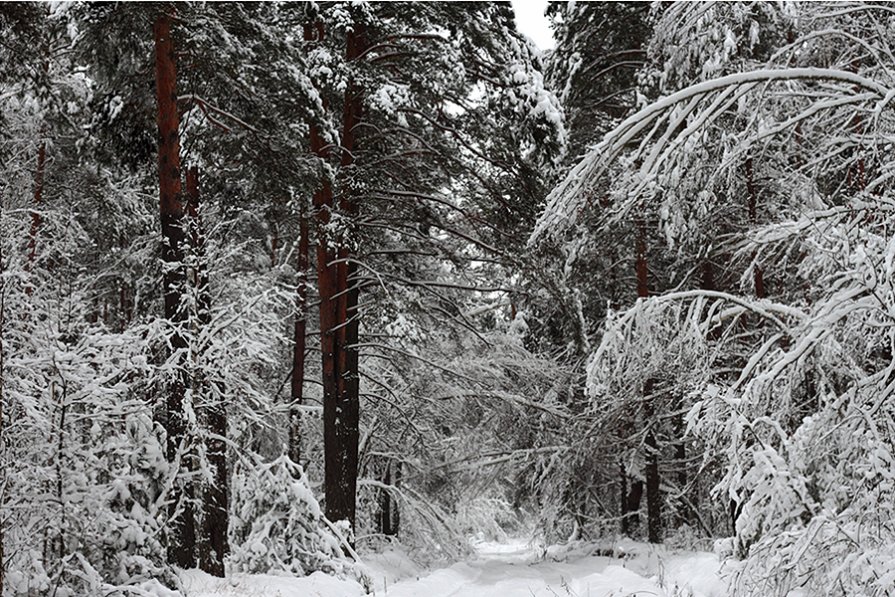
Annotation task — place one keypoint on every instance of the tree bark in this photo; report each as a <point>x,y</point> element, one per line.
<point>757,274</point>
<point>299,339</point>
<point>337,506</point>
<point>631,497</point>
<point>653,494</point>
<point>396,509</point>
<point>213,544</point>
<point>181,529</point>
<point>338,303</point>
<point>300,327</point>
<point>385,504</point>
<point>36,219</point>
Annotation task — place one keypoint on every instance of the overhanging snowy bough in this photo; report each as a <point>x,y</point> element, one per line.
<point>791,389</point>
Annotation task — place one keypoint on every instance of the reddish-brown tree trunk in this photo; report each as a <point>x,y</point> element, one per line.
<point>213,545</point>
<point>653,493</point>
<point>299,332</point>
<point>336,459</point>
<point>299,338</point>
<point>349,379</point>
<point>36,219</point>
<point>341,408</point>
<point>181,529</point>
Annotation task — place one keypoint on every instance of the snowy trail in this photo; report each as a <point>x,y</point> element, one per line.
<point>510,570</point>
<point>497,570</point>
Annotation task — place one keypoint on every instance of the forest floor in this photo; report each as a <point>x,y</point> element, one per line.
<point>508,569</point>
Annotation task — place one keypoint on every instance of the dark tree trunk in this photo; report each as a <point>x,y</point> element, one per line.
<point>653,495</point>
<point>181,529</point>
<point>396,509</point>
<point>36,219</point>
<point>680,454</point>
<point>299,338</point>
<point>757,274</point>
<point>300,327</point>
<point>341,404</point>
<point>335,457</point>
<point>388,517</point>
<point>213,544</point>
<point>631,496</point>
<point>274,241</point>
<point>385,504</point>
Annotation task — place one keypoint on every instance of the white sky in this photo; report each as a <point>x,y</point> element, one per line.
<point>531,21</point>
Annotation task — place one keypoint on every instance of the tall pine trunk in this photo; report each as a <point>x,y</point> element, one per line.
<point>334,452</point>
<point>349,322</point>
<point>631,499</point>
<point>212,544</point>
<point>653,496</point>
<point>39,172</point>
<point>300,327</point>
<point>36,219</point>
<point>384,516</point>
<point>653,493</point>
<point>181,524</point>
<point>338,326</point>
<point>299,340</point>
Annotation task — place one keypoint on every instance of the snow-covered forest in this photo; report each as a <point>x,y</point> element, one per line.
<point>346,298</point>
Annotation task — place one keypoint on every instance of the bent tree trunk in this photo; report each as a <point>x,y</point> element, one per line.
<point>181,526</point>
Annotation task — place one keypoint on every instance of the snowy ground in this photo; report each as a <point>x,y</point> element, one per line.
<point>498,570</point>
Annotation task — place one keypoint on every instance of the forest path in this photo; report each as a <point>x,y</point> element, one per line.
<point>512,570</point>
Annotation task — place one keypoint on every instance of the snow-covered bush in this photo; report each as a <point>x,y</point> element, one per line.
<point>277,524</point>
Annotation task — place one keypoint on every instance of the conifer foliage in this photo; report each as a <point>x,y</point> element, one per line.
<point>282,284</point>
